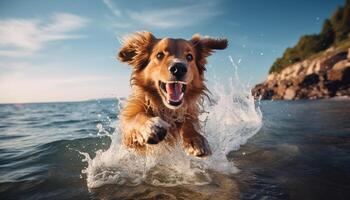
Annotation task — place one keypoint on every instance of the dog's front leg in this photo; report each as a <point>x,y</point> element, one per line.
<point>193,142</point>
<point>141,129</point>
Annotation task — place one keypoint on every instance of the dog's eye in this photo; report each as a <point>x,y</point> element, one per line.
<point>160,55</point>
<point>189,57</point>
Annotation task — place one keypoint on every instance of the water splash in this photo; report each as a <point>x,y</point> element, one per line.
<point>228,123</point>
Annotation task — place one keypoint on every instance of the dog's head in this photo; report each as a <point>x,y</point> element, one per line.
<point>170,70</point>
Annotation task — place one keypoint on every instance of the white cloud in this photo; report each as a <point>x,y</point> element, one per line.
<point>179,16</point>
<point>24,37</point>
<point>112,7</point>
<point>175,17</point>
<point>7,66</point>
<point>23,81</point>
<point>19,87</point>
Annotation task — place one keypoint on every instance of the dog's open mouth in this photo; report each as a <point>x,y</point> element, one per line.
<point>173,92</point>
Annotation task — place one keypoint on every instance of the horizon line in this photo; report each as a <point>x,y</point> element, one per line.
<point>60,101</point>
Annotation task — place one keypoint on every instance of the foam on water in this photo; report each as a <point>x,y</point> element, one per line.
<point>227,123</point>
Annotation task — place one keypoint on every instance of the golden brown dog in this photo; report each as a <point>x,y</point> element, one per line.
<point>167,89</point>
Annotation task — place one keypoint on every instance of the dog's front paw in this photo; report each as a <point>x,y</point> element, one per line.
<point>153,131</point>
<point>197,146</point>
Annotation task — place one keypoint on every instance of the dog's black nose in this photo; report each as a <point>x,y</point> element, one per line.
<point>178,70</point>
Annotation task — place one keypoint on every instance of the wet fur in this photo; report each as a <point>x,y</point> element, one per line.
<point>145,103</point>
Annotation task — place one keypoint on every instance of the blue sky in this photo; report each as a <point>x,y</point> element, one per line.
<point>65,50</point>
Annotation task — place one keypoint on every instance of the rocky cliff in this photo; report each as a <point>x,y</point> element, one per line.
<point>323,76</point>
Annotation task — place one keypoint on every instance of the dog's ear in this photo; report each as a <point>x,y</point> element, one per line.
<point>136,49</point>
<point>205,47</point>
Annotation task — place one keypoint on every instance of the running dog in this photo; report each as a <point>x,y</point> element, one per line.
<point>168,87</point>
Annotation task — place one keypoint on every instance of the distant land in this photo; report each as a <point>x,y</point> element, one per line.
<point>318,66</point>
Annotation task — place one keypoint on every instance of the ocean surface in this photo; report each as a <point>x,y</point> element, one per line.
<point>274,150</point>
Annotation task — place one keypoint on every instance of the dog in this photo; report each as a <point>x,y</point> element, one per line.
<point>168,87</point>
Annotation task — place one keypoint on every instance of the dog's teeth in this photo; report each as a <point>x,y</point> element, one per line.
<point>181,96</point>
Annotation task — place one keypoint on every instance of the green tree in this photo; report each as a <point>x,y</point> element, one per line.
<point>341,22</point>
<point>327,34</point>
<point>336,21</point>
<point>334,31</point>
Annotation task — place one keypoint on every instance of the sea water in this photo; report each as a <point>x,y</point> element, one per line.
<point>301,151</point>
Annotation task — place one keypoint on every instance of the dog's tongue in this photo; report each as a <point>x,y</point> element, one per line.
<point>174,91</point>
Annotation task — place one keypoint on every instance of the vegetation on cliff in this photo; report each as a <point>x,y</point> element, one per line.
<point>334,32</point>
